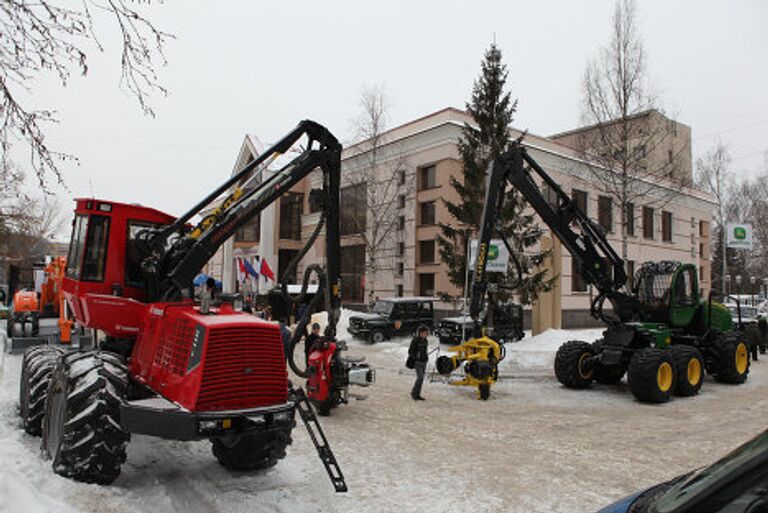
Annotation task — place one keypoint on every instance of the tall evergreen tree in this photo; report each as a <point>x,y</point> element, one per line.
<point>492,110</point>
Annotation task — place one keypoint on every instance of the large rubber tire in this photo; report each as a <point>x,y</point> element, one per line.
<point>728,357</point>
<point>651,375</point>
<point>252,452</point>
<point>36,370</point>
<point>568,364</point>
<point>81,429</point>
<point>689,369</point>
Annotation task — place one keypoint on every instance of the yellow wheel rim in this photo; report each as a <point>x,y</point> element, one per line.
<point>742,358</point>
<point>582,373</point>
<point>664,377</point>
<point>694,371</point>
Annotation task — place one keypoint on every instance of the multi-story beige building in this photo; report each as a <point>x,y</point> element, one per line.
<point>664,227</point>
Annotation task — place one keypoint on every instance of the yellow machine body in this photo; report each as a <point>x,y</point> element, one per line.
<point>480,358</point>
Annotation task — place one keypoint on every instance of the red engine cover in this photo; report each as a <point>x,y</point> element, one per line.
<point>226,360</point>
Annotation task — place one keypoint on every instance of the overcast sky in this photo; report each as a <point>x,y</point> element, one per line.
<point>260,67</point>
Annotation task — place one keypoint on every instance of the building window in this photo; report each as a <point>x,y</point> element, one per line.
<point>353,272</point>
<point>701,250</point>
<point>648,227</point>
<point>314,205</point>
<point>401,178</point>
<point>400,268</point>
<point>399,291</point>
<point>605,213</point>
<point>285,257</point>
<point>666,226</point>
<point>630,274</point>
<point>427,284</point>
<point>401,201</point>
<point>427,251</point>
<point>577,282</point>
<point>290,215</point>
<point>703,229</point>
<point>400,248</point>
<point>427,178</point>
<point>353,215</point>
<point>250,231</point>
<point>580,198</point>
<point>702,278</point>
<point>427,213</point>
<point>401,223</point>
<point>630,218</point>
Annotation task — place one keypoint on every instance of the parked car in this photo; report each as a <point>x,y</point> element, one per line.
<point>392,317</point>
<point>507,326</point>
<point>737,483</point>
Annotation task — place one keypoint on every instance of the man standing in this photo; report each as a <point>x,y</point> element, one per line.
<point>309,340</point>
<point>419,355</point>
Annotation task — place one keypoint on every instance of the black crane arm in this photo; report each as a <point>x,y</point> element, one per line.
<point>175,254</point>
<point>598,262</point>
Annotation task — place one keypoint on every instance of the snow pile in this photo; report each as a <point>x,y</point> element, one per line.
<point>538,352</point>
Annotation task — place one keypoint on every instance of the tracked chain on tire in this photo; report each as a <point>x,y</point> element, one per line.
<point>567,364</point>
<point>253,452</point>
<point>92,442</point>
<point>721,353</point>
<point>642,375</point>
<point>681,356</point>
<point>36,368</point>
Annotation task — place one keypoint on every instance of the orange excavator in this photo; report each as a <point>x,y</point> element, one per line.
<point>29,306</point>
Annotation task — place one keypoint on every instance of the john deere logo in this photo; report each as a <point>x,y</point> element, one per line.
<point>739,233</point>
<point>493,252</point>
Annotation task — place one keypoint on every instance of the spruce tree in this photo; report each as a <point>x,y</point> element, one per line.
<point>492,110</point>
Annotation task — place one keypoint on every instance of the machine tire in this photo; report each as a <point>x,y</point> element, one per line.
<point>376,337</point>
<point>483,392</point>
<point>36,370</point>
<point>609,374</point>
<point>729,358</point>
<point>252,452</point>
<point>689,369</point>
<point>651,375</point>
<point>81,429</point>
<point>568,364</point>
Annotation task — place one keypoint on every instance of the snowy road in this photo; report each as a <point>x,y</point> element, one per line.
<point>533,447</point>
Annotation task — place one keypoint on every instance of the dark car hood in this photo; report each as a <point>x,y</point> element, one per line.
<point>362,316</point>
<point>621,506</point>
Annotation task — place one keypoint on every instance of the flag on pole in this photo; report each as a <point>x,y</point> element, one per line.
<point>266,271</point>
<point>242,273</point>
<point>249,269</point>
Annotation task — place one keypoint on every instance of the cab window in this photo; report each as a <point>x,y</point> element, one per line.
<point>75,256</point>
<point>95,251</point>
<point>134,276</point>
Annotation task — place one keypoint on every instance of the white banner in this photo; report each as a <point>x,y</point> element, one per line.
<point>498,256</point>
<point>738,236</point>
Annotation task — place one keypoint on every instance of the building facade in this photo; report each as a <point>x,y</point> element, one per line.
<point>415,164</point>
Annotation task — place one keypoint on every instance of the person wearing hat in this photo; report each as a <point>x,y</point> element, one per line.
<point>418,354</point>
<point>310,340</point>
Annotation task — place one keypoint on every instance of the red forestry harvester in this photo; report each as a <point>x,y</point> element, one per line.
<point>169,366</point>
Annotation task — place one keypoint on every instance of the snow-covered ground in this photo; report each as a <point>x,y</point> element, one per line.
<point>534,446</point>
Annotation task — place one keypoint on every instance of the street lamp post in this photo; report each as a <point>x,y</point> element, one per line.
<point>752,281</point>
<point>738,288</point>
<point>727,290</point>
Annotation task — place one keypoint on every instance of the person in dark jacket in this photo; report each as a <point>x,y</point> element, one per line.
<point>286,335</point>
<point>309,340</point>
<point>419,353</point>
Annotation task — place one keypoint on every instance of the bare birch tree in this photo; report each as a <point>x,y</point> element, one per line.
<point>714,176</point>
<point>377,168</point>
<point>630,144</point>
<point>55,36</point>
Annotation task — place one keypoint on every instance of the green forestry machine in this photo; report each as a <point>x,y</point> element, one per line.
<point>660,332</point>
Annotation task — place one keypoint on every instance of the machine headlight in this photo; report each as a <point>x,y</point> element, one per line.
<point>205,426</point>
<point>282,416</point>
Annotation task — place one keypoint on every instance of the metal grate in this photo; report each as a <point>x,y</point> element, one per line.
<point>175,344</point>
<point>244,367</point>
